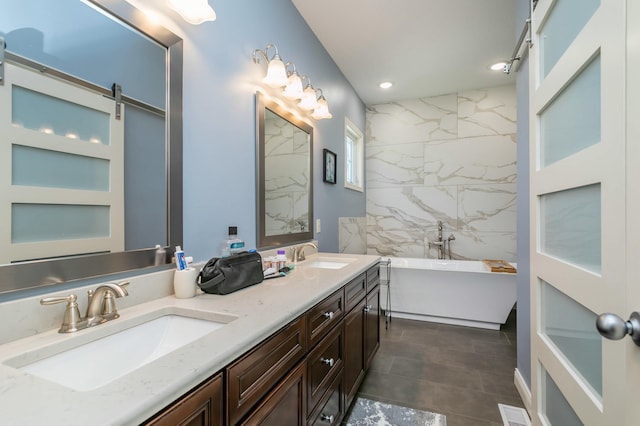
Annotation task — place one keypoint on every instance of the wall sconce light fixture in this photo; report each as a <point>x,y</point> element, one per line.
<point>308,101</point>
<point>293,89</point>
<point>276,71</point>
<point>287,78</point>
<point>322,110</point>
<point>193,11</point>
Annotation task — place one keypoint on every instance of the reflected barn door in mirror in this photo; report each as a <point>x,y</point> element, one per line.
<point>64,149</point>
<point>284,176</point>
<point>94,46</point>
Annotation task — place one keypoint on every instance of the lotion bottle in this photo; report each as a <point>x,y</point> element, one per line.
<point>233,244</point>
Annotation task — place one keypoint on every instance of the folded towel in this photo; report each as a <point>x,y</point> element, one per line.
<point>499,266</point>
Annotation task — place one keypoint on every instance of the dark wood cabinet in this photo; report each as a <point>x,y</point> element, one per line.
<point>308,372</point>
<point>324,362</point>
<point>354,291</point>
<point>324,316</point>
<point>361,329</point>
<point>373,277</point>
<point>285,405</point>
<point>203,406</point>
<point>253,375</point>
<point>372,325</point>
<point>331,409</point>
<point>354,361</point>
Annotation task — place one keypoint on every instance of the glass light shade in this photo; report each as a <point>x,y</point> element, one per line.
<point>193,11</point>
<point>276,73</point>
<point>322,110</point>
<point>308,100</point>
<point>294,87</point>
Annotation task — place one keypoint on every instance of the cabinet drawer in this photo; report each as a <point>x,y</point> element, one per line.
<point>373,277</point>
<point>354,291</point>
<point>322,317</point>
<point>330,411</point>
<point>285,405</point>
<point>201,406</point>
<point>323,363</point>
<point>251,377</point>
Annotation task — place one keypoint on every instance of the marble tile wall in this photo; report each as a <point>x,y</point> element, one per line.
<point>352,235</point>
<point>450,158</point>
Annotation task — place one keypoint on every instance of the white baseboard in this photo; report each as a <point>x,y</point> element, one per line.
<point>523,390</point>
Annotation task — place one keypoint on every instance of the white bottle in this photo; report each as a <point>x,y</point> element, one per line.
<point>233,244</point>
<point>161,255</point>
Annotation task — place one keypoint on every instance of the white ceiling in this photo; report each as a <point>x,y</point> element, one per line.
<point>425,47</point>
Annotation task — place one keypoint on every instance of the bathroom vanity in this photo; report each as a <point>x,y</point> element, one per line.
<point>291,350</point>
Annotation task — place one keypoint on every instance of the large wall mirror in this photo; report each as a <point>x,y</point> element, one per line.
<point>284,176</point>
<point>91,133</point>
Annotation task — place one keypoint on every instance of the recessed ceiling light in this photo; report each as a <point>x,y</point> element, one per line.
<point>386,84</point>
<point>498,66</point>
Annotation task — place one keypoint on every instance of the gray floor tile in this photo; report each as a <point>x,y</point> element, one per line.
<point>461,372</point>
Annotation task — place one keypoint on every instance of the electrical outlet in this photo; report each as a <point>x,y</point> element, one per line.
<point>317,226</point>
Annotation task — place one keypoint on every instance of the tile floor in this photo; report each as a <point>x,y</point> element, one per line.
<point>461,372</point>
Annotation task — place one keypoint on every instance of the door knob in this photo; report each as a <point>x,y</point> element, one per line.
<point>613,327</point>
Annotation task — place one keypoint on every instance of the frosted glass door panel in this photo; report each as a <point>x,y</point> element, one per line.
<point>569,326</point>
<point>37,111</point>
<point>555,406</point>
<point>565,21</point>
<point>571,226</point>
<point>571,122</point>
<point>52,169</point>
<point>51,222</point>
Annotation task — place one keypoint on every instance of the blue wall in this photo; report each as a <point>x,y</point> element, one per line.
<point>522,205</point>
<point>220,81</point>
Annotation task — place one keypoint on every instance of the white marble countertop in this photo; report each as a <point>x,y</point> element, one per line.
<point>260,310</point>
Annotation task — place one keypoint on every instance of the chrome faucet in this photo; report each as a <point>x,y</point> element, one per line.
<point>297,252</point>
<point>101,308</point>
<point>441,243</point>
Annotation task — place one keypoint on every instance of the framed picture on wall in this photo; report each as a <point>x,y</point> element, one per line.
<point>329,168</point>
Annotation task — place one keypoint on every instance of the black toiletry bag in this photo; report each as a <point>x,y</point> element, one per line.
<point>228,274</point>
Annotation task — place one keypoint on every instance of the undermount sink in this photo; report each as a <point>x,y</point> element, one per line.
<point>94,364</point>
<point>329,262</point>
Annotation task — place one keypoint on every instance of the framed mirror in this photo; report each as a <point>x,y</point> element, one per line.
<point>284,159</point>
<point>106,48</point>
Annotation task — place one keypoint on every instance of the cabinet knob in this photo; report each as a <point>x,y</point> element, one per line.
<point>326,418</point>
<point>328,315</point>
<point>328,361</point>
<point>367,308</point>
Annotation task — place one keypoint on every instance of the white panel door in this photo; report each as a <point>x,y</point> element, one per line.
<point>585,187</point>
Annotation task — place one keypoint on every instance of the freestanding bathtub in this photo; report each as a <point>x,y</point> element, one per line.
<point>460,292</point>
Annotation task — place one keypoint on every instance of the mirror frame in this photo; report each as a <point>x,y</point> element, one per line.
<point>28,275</point>
<point>264,241</point>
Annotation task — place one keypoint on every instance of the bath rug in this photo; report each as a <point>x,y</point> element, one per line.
<point>366,412</point>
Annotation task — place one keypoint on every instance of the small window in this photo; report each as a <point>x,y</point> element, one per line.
<point>353,157</point>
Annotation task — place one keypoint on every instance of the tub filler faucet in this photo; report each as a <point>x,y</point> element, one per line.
<point>441,243</point>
